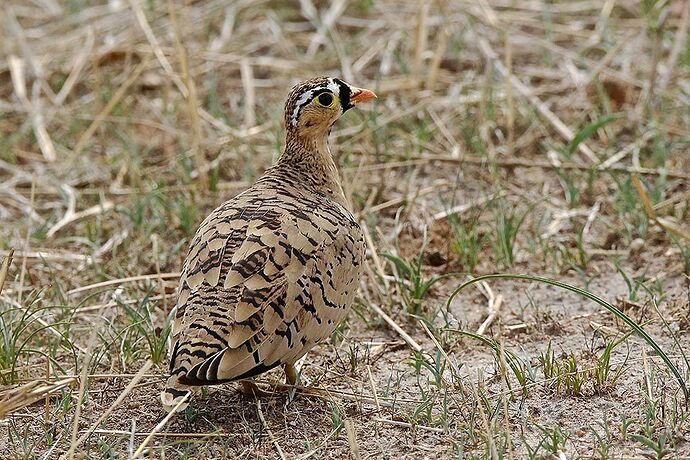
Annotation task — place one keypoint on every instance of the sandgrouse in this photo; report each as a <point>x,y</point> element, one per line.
<point>271,272</point>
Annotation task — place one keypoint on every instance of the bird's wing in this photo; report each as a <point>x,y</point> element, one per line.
<point>251,295</point>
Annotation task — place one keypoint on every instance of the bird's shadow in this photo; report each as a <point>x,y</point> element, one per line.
<point>225,409</point>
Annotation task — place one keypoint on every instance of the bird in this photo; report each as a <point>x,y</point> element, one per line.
<point>271,272</point>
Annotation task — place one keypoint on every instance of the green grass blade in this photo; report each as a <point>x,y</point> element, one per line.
<point>512,359</point>
<point>590,129</point>
<point>639,330</point>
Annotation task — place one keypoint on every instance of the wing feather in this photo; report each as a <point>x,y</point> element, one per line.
<point>257,289</point>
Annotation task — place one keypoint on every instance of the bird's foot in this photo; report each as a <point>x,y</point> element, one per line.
<point>249,388</point>
<point>292,377</point>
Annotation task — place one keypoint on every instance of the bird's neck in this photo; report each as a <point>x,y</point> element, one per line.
<point>310,157</point>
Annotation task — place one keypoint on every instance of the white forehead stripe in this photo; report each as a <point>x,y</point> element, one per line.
<point>307,95</point>
<point>333,86</point>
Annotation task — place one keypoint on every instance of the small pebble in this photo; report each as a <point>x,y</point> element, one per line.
<point>636,246</point>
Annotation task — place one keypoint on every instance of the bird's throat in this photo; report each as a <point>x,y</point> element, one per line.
<point>311,156</point>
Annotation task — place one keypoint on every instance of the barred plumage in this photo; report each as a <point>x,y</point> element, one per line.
<point>271,272</point>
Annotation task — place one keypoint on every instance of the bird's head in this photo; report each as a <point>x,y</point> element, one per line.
<point>314,105</point>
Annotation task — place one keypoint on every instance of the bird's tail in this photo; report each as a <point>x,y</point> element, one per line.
<point>174,393</point>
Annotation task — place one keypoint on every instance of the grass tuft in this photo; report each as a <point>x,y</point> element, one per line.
<point>636,328</point>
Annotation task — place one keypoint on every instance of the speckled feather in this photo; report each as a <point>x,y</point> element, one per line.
<point>270,273</point>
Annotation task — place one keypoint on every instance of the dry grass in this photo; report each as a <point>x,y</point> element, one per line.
<point>547,138</point>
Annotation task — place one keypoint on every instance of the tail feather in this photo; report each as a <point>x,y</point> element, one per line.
<point>174,392</point>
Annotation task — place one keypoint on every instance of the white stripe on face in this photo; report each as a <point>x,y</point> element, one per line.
<point>306,96</point>
<point>332,86</point>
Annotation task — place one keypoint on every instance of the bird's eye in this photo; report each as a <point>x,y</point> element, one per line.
<point>325,99</point>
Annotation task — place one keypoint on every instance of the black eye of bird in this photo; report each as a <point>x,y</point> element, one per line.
<point>325,99</point>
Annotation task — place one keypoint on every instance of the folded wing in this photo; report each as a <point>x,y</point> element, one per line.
<point>261,285</point>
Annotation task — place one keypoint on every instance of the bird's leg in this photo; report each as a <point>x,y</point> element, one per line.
<point>249,388</point>
<point>291,374</point>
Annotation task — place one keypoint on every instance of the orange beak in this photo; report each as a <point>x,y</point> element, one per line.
<point>361,95</point>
